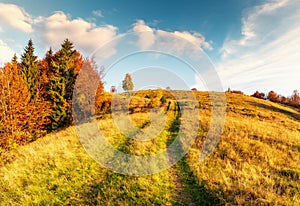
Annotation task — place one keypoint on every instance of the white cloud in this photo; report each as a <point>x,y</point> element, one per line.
<point>196,38</point>
<point>6,53</point>
<point>267,55</point>
<point>146,34</point>
<point>16,17</point>
<point>86,36</point>
<point>97,13</point>
<point>149,36</point>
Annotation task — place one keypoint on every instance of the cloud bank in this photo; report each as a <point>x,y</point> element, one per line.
<point>86,35</point>
<point>148,39</point>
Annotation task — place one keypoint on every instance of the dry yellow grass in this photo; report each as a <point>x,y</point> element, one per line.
<point>257,162</point>
<point>258,159</point>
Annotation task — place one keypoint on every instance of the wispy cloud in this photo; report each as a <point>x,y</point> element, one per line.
<point>97,13</point>
<point>267,54</point>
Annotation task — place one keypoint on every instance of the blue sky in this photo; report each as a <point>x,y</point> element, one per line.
<point>254,45</point>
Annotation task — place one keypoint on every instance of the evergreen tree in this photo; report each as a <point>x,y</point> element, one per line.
<point>61,85</point>
<point>46,74</point>
<point>14,60</point>
<point>29,68</point>
<point>127,83</point>
<point>49,57</point>
<point>49,53</point>
<point>47,62</point>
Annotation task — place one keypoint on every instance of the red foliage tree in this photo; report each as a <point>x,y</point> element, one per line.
<point>273,96</point>
<point>295,98</point>
<point>284,100</point>
<point>237,92</point>
<point>259,95</point>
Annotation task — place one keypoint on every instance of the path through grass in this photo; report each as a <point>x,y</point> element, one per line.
<point>256,163</point>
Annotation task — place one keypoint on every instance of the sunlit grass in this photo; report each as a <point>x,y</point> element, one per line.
<point>57,170</point>
<point>257,162</point>
<point>258,159</point>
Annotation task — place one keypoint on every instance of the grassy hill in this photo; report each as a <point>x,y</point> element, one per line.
<point>257,162</point>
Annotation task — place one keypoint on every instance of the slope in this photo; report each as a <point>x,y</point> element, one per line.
<point>257,162</point>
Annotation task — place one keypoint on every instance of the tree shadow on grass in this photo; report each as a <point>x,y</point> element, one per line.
<point>196,189</point>
<point>293,115</point>
<point>113,189</point>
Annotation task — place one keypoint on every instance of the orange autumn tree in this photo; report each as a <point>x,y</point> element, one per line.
<point>103,99</point>
<point>22,117</point>
<point>88,87</point>
<point>89,95</point>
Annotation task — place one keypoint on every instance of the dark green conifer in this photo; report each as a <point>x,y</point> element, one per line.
<point>29,68</point>
<point>62,84</point>
<point>14,60</point>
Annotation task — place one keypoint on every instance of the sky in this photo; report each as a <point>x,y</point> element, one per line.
<point>247,45</point>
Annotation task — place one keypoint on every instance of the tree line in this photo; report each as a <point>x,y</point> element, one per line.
<point>36,95</point>
<point>293,100</point>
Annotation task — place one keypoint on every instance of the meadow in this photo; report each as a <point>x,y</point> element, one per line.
<point>257,161</point>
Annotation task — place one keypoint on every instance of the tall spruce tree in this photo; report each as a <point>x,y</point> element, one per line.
<point>62,84</point>
<point>46,74</point>
<point>14,60</point>
<point>29,68</point>
<point>49,53</point>
<point>48,58</point>
<point>47,62</point>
